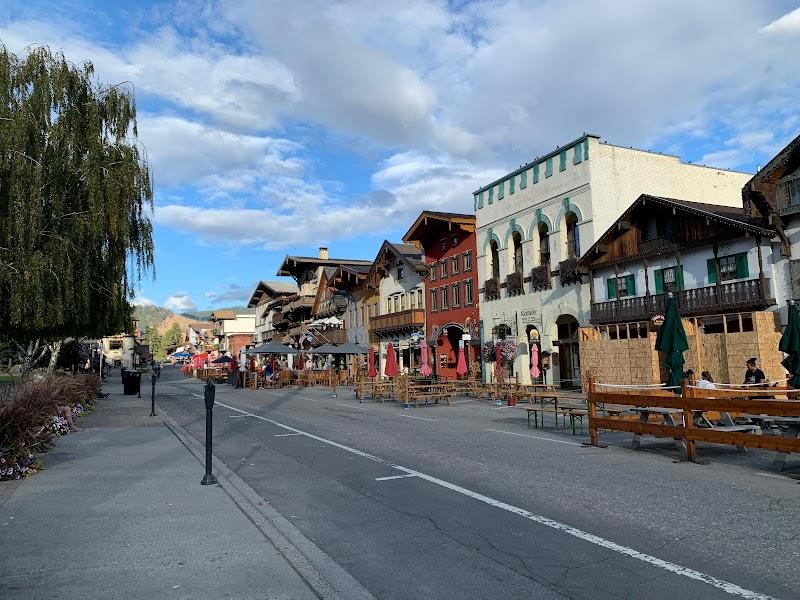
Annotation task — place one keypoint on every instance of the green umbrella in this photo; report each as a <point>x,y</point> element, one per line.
<point>671,340</point>
<point>790,344</point>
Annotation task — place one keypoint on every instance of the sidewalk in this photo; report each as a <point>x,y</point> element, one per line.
<point>119,512</point>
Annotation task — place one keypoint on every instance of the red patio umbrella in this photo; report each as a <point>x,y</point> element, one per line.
<point>372,372</point>
<point>391,362</point>
<point>425,369</point>
<point>461,367</point>
<point>535,361</point>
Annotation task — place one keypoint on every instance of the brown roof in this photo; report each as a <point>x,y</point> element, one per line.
<point>758,190</point>
<point>223,315</point>
<point>290,262</point>
<point>416,231</point>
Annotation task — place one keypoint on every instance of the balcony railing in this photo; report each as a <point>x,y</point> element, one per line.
<point>491,289</point>
<point>514,284</point>
<point>750,294</point>
<point>540,278</point>
<point>406,319</point>
<point>568,271</point>
<point>301,302</point>
<point>657,245</point>
<point>330,336</point>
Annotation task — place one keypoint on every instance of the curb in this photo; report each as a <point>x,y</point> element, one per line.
<point>324,576</point>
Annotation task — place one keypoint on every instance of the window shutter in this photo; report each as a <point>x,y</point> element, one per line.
<point>577,156</point>
<point>577,241</point>
<point>658,276</point>
<point>586,149</point>
<point>511,183</point>
<point>535,173</point>
<point>562,160</point>
<point>480,200</point>
<point>712,270</point>
<point>491,195</point>
<point>611,284</point>
<point>742,269</point>
<point>679,276</point>
<point>501,190</point>
<point>630,284</point>
<point>523,179</point>
<point>548,167</point>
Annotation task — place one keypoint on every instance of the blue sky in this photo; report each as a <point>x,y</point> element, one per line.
<point>273,128</point>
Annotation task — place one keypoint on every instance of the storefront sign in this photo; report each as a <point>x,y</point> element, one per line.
<point>528,316</point>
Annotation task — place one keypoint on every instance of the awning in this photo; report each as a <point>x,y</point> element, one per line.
<point>271,348</point>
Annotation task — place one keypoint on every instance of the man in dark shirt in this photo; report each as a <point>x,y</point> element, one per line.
<point>754,374</point>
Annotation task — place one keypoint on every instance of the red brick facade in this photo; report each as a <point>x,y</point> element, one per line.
<point>236,342</point>
<point>451,288</point>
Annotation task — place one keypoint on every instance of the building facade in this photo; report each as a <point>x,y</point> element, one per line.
<point>451,312</point>
<point>266,297</point>
<point>534,223</point>
<point>233,331</point>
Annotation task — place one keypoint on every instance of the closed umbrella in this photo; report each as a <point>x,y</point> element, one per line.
<point>790,344</point>
<point>222,360</point>
<point>372,372</point>
<point>498,360</point>
<point>671,340</point>
<point>535,361</point>
<point>461,366</point>
<point>391,362</point>
<point>425,368</point>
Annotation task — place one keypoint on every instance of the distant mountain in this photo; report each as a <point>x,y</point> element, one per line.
<point>150,315</point>
<point>205,315</point>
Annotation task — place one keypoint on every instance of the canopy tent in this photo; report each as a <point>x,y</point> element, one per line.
<point>330,321</point>
<point>272,348</point>
<point>222,360</point>
<point>327,349</point>
<point>180,355</point>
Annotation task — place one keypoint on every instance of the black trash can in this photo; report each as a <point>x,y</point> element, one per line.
<point>131,383</point>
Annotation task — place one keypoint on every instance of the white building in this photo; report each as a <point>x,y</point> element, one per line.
<point>266,297</point>
<point>233,331</point>
<point>535,222</point>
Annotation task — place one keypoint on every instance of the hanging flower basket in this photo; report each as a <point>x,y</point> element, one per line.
<point>508,349</point>
<point>488,352</point>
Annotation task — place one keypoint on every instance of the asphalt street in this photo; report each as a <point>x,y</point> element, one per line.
<point>466,502</point>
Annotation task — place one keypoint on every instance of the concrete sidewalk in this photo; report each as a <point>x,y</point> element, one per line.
<point>119,512</point>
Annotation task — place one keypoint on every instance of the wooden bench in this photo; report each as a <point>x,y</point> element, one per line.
<point>574,413</point>
<point>427,392</point>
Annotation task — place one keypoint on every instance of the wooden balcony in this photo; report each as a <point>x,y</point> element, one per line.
<point>736,296</point>
<point>403,320</point>
<point>329,336</point>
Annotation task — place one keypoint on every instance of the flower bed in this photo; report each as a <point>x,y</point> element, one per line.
<point>30,419</point>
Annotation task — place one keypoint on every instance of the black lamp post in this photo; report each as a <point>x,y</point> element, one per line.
<point>208,393</point>
<point>153,395</point>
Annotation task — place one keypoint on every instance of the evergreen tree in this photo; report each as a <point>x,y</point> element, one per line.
<point>153,339</point>
<point>174,336</point>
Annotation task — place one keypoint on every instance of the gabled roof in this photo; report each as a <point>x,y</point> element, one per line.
<point>727,215</point>
<point>785,162</point>
<point>409,254</point>
<point>223,315</point>
<point>417,231</point>
<point>271,289</point>
<point>291,264</point>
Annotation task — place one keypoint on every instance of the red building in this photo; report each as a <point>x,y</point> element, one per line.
<point>451,288</point>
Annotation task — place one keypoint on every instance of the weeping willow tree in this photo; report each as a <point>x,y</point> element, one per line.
<point>75,200</point>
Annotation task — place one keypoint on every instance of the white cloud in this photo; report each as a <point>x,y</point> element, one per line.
<point>142,301</point>
<point>180,302</point>
<point>230,294</point>
<point>788,23</point>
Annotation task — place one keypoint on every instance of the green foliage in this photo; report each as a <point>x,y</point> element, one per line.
<point>154,340</point>
<point>174,336</point>
<point>75,198</point>
<point>150,315</point>
<point>205,315</point>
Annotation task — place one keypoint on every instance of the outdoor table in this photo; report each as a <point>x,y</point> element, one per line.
<point>791,430</point>
<point>666,415</point>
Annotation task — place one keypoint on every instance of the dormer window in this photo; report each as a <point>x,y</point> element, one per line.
<point>791,192</point>
<point>400,273</point>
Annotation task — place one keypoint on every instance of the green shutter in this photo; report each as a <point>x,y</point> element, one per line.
<point>742,269</point>
<point>548,167</point>
<point>562,160</point>
<point>491,195</point>
<point>535,173</point>
<point>658,277</point>
<point>511,184</point>
<point>611,284</point>
<point>679,276</point>
<point>586,149</point>
<point>577,155</point>
<point>711,265</point>
<point>501,190</point>
<point>480,200</point>
<point>630,284</point>
<point>523,179</point>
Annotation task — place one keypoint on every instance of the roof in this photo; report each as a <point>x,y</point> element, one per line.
<point>272,289</point>
<point>292,262</point>
<point>784,162</point>
<point>223,315</point>
<point>728,215</point>
<point>415,232</point>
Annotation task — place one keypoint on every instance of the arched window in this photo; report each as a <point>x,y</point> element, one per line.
<point>573,241</point>
<point>544,244</point>
<point>517,239</point>
<point>495,258</point>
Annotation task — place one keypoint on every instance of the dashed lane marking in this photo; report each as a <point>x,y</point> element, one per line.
<point>287,434</point>
<point>535,437</point>
<point>725,586</point>
<point>420,418</point>
<point>393,477</point>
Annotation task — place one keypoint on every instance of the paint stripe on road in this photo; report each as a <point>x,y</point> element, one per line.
<point>196,395</point>
<point>413,417</point>
<point>391,477</point>
<point>725,586</point>
<point>286,434</point>
<point>350,406</point>
<point>535,437</point>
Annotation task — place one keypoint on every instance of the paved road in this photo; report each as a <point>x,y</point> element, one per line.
<point>465,502</point>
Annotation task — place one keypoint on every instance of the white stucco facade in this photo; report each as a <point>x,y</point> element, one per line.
<point>596,182</point>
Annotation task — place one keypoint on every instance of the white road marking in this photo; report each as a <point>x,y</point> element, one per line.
<point>420,418</point>
<point>287,434</point>
<point>196,395</point>
<point>727,587</point>
<point>774,475</point>
<point>350,406</point>
<point>393,477</point>
<point>238,416</point>
<point>535,437</point>
<point>460,401</point>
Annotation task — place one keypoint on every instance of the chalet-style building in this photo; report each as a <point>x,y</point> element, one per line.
<point>773,197</point>
<point>451,314</point>
<point>342,294</point>
<point>398,276</point>
<point>265,300</point>
<point>233,331</point>
<point>718,265</point>
<point>535,222</point>
<point>292,325</point>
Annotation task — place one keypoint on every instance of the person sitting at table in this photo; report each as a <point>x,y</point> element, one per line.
<point>753,373</point>
<point>706,381</point>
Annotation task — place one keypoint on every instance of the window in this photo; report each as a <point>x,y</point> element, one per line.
<point>454,265</point>
<point>544,244</point>
<point>573,242</point>
<point>791,192</point>
<point>535,173</point>
<point>548,167</point>
<point>400,273</point>
<point>443,245</point>
<point>511,184</point>
<point>433,271</point>
<point>495,258</point>
<point>468,297</point>
<point>397,304</point>
<point>578,156</point>
<point>621,287</point>
<point>115,345</point>
<point>434,301</point>
<point>523,179</point>
<point>413,298</point>
<point>388,306</point>
<point>731,267</point>
<point>501,190</point>
<point>454,241</point>
<point>491,197</point>
<point>445,299</point>
<point>517,239</point>
<point>669,279</point>
<point>456,294</point>
<point>562,160</point>
<point>443,268</point>
<point>419,299</point>
<point>467,261</point>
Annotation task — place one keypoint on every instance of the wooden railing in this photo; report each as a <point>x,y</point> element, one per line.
<point>332,336</point>
<point>491,289</point>
<point>412,318</point>
<point>735,296</point>
<point>540,278</point>
<point>657,245</point>
<point>515,284</point>
<point>568,271</point>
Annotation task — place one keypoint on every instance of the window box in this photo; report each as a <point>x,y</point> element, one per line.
<point>491,289</point>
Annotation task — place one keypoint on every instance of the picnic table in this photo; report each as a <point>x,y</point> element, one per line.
<point>430,391</point>
<point>571,405</point>
<point>790,428</point>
